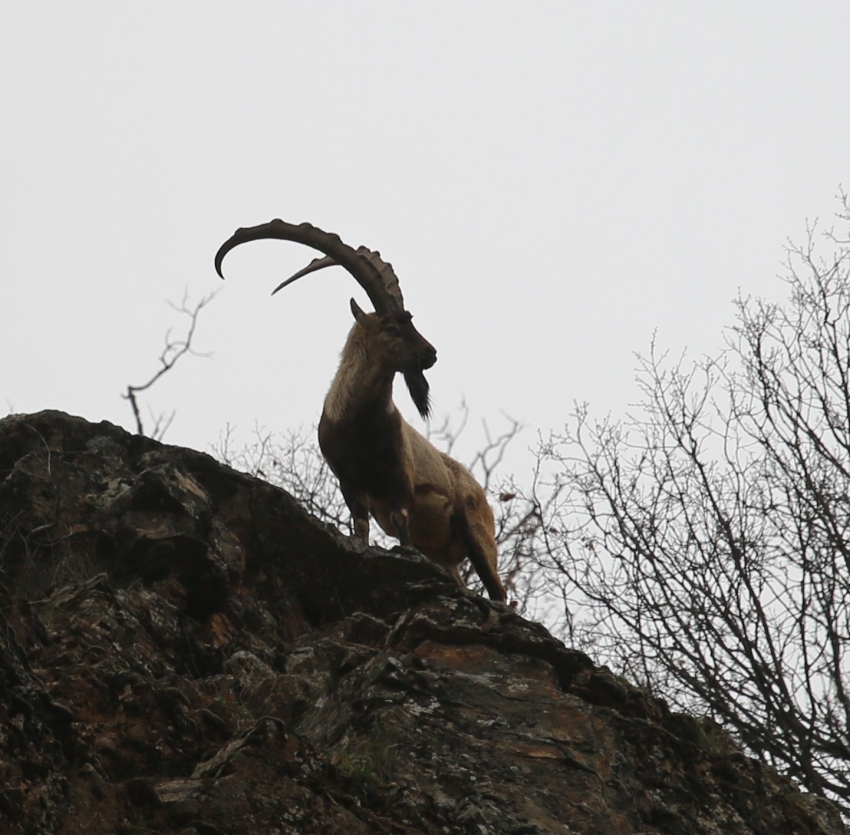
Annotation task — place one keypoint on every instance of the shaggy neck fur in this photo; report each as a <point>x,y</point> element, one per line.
<point>360,379</point>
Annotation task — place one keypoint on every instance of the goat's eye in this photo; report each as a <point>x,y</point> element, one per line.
<point>394,330</point>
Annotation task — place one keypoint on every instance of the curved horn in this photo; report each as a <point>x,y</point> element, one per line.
<point>373,274</point>
<point>388,276</point>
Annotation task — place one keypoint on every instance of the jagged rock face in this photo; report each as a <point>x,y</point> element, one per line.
<point>184,649</point>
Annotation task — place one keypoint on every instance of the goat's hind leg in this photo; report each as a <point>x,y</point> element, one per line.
<point>482,552</point>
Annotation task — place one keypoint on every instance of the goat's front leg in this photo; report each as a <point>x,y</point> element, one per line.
<point>359,514</point>
<point>360,524</point>
<point>401,521</point>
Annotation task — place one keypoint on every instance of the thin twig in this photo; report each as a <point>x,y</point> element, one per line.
<point>171,353</point>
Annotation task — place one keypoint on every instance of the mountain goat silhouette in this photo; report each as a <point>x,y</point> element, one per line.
<point>386,468</point>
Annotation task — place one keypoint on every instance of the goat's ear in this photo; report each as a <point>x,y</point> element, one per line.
<point>357,311</point>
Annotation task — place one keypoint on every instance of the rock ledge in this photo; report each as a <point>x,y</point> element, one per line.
<point>184,649</point>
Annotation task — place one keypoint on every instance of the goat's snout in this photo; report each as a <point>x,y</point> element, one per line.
<point>429,357</point>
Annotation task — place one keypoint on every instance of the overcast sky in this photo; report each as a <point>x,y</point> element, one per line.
<point>553,182</point>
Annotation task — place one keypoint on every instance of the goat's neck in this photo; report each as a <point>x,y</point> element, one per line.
<point>360,383</point>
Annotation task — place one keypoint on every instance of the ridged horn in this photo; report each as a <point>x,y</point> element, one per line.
<point>373,274</point>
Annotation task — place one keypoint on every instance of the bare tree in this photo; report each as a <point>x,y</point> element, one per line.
<point>709,533</point>
<point>291,460</point>
<point>174,349</point>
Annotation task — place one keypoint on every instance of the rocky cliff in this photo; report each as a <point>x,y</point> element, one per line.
<point>184,649</point>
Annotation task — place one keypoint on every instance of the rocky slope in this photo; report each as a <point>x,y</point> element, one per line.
<point>184,649</point>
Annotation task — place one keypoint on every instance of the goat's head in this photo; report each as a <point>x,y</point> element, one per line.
<point>403,348</point>
<point>406,350</point>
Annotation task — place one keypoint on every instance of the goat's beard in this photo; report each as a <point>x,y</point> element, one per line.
<point>418,387</point>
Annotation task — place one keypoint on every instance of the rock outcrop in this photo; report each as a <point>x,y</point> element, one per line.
<point>184,649</point>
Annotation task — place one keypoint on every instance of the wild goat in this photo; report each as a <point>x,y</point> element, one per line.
<point>385,467</point>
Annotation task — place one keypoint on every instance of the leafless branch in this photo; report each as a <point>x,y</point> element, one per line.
<point>174,349</point>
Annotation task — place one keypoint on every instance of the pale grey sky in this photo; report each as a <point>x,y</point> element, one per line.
<point>553,181</point>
